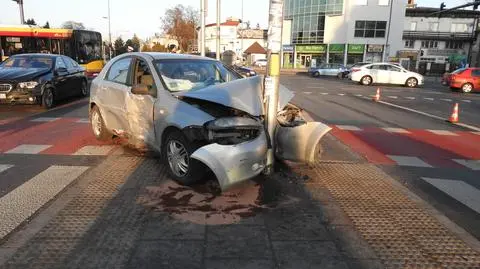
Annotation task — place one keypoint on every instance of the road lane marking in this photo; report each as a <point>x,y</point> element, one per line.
<point>472,164</point>
<point>28,149</point>
<point>324,93</point>
<point>477,133</point>
<point>409,161</point>
<point>307,92</point>
<point>428,98</point>
<point>467,101</point>
<point>393,97</point>
<point>341,94</point>
<point>410,97</point>
<point>94,150</point>
<point>458,190</point>
<point>359,95</point>
<point>396,130</point>
<point>83,120</point>
<point>4,167</point>
<point>442,132</point>
<point>44,119</point>
<point>348,127</point>
<point>446,100</point>
<point>21,203</point>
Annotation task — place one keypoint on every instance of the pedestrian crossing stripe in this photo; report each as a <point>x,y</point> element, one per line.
<point>4,167</point>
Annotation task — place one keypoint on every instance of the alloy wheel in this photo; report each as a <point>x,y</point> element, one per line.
<point>178,158</point>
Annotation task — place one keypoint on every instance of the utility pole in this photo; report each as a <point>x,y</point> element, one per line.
<point>243,32</point>
<point>22,15</point>
<point>202,27</point>
<point>272,80</point>
<point>218,30</point>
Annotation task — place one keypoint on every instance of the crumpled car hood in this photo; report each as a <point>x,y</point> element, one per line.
<point>242,94</point>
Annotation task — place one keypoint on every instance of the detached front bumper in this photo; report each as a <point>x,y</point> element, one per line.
<point>233,164</point>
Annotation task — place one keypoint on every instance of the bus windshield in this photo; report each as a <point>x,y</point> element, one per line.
<point>89,46</point>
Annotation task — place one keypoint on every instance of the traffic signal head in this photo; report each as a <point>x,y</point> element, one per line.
<point>442,6</point>
<point>475,6</point>
<point>422,52</point>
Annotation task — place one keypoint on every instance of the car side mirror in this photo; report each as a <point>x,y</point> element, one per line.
<point>140,89</point>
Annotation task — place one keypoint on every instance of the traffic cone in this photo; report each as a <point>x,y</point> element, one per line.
<point>376,98</point>
<point>454,116</point>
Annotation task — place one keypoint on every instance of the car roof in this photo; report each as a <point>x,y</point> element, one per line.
<point>38,54</point>
<point>164,56</point>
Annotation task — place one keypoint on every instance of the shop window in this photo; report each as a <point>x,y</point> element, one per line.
<point>369,29</point>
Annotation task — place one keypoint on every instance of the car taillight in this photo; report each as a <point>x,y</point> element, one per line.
<point>355,69</point>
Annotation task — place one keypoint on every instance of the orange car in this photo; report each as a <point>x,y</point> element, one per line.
<point>466,79</point>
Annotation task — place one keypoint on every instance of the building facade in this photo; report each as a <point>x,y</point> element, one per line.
<point>342,31</point>
<point>233,37</point>
<point>449,40</point>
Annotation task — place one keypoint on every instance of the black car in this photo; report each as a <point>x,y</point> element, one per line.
<point>244,71</point>
<point>40,79</point>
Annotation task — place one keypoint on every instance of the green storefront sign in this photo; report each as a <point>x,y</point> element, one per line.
<point>336,48</point>
<point>356,48</point>
<point>321,48</point>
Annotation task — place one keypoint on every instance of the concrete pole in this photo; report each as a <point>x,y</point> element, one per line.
<point>202,27</point>
<point>272,80</point>
<point>109,33</point>
<point>218,30</point>
<point>243,32</point>
<point>22,14</point>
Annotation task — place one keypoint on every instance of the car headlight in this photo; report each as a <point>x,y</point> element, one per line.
<point>28,84</point>
<point>233,130</point>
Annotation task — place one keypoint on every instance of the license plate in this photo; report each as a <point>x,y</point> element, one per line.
<point>3,96</point>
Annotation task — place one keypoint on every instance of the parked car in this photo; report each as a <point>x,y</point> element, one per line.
<point>465,79</point>
<point>348,72</point>
<point>260,63</point>
<point>337,70</point>
<point>198,115</point>
<point>40,79</point>
<point>244,71</point>
<point>386,73</point>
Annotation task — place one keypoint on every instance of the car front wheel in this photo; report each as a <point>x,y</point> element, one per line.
<point>411,82</point>
<point>48,98</point>
<point>98,125</point>
<point>84,88</point>
<point>176,151</point>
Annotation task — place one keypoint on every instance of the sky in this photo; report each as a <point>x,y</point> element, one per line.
<point>139,16</point>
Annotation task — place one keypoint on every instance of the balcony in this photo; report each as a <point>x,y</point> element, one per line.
<point>429,35</point>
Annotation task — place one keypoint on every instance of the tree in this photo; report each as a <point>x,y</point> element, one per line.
<point>146,48</point>
<point>180,23</point>
<point>30,22</point>
<point>157,47</point>
<point>119,46</point>
<point>73,25</point>
<point>47,25</point>
<point>135,42</point>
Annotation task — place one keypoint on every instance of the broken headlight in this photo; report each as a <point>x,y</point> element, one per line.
<point>233,130</point>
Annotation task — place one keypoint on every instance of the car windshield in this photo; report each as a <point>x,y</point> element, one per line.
<point>188,75</point>
<point>459,71</point>
<point>28,62</point>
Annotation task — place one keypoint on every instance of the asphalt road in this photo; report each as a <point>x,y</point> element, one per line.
<point>438,161</point>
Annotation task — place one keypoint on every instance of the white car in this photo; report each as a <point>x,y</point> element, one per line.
<point>386,73</point>
<point>260,62</point>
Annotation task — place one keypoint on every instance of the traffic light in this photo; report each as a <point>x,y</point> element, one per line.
<point>442,6</point>
<point>421,52</point>
<point>475,6</point>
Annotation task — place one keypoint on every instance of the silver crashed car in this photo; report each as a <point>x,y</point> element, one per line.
<point>198,115</point>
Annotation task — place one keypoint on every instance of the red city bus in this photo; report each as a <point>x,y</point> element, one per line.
<point>81,45</point>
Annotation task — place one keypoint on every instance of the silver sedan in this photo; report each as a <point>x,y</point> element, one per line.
<point>198,115</point>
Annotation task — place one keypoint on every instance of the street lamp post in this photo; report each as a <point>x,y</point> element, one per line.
<point>109,33</point>
<point>218,30</point>
<point>22,15</point>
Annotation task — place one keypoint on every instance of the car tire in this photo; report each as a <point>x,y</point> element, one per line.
<point>366,80</point>
<point>411,82</point>
<point>84,89</point>
<point>99,129</point>
<point>340,75</point>
<point>316,74</point>
<point>175,149</point>
<point>467,88</point>
<point>48,98</point>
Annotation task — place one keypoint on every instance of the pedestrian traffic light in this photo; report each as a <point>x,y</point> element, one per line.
<point>442,6</point>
